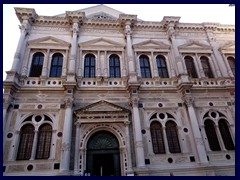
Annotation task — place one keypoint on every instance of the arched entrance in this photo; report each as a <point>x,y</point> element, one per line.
<point>103,156</point>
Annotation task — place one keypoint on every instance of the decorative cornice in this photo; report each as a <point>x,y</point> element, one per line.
<point>26,14</point>
<point>52,20</point>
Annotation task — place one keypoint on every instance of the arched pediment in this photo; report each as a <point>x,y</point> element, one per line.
<point>48,42</point>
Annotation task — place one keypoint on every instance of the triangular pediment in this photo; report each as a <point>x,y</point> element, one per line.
<point>229,45</point>
<point>98,12</point>
<point>48,41</point>
<point>101,107</point>
<point>151,44</point>
<point>194,45</point>
<point>101,42</point>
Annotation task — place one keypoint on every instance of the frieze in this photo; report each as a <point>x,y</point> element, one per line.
<point>51,28</point>
<point>102,31</point>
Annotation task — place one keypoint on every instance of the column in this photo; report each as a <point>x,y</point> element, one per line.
<point>73,56</point>
<point>129,156</point>
<point>130,55</point>
<point>137,134</point>
<point>25,63</point>
<point>229,71</point>
<point>34,147</point>
<point>202,155</point>
<point>24,30</point>
<point>6,123</point>
<point>165,140</point>
<point>155,70</point>
<point>175,52</point>
<point>172,72</point>
<point>123,67</point>
<point>219,136</point>
<point>64,68</point>
<point>12,151</point>
<point>215,66</point>
<point>67,133</point>
<point>199,65</point>
<point>80,68</point>
<point>45,65</point>
<point>76,153</point>
<point>53,145</point>
<point>105,63</point>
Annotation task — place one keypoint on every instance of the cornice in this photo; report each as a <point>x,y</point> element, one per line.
<point>26,14</point>
<point>52,20</point>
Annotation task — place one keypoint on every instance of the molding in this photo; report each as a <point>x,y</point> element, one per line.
<point>48,42</point>
<point>151,44</point>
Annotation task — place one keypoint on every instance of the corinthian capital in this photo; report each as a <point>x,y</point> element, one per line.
<point>128,30</point>
<point>134,101</point>
<point>188,100</point>
<point>68,102</point>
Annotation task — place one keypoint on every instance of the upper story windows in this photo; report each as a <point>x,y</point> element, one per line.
<point>37,65</point>
<point>56,65</point>
<point>206,67</point>
<point>231,62</point>
<point>162,66</point>
<point>190,67</point>
<point>89,66</point>
<point>145,67</point>
<point>114,66</point>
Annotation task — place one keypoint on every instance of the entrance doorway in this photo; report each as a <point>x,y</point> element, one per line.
<point>103,156</point>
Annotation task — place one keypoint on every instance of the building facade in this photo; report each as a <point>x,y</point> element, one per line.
<point>99,92</point>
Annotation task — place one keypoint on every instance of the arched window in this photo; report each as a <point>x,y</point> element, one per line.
<point>190,67</point>
<point>26,142</point>
<point>225,133</point>
<point>211,135</point>
<point>114,66</point>
<point>206,67</point>
<point>37,64</point>
<point>231,62</point>
<point>157,137</point>
<point>162,67</point>
<point>56,66</point>
<point>44,142</point>
<point>145,67</point>
<point>89,66</point>
<point>172,137</point>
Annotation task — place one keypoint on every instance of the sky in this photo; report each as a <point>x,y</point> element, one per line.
<point>189,13</point>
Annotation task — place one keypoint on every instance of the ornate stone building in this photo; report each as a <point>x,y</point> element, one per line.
<point>100,92</point>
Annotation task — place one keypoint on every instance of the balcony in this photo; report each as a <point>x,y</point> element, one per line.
<point>38,82</point>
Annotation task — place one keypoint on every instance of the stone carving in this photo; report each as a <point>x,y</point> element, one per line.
<point>128,30</point>
<point>68,102</point>
<point>188,100</point>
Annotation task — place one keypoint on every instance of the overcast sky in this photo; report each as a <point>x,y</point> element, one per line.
<point>195,13</point>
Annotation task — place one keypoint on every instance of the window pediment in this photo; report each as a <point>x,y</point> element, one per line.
<point>229,47</point>
<point>100,107</point>
<point>48,42</point>
<point>195,46</point>
<point>101,44</point>
<point>151,44</point>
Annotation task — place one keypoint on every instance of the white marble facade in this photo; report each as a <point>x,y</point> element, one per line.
<point>76,106</point>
